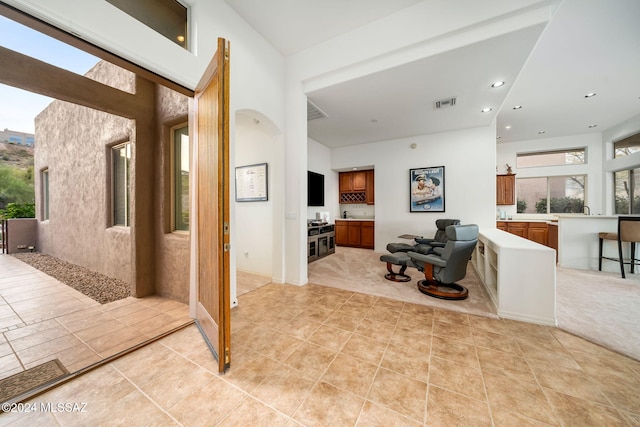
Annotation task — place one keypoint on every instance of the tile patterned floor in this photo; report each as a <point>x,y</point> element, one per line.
<point>42,319</point>
<point>321,356</point>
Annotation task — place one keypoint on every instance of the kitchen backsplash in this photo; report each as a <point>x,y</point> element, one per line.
<point>357,209</point>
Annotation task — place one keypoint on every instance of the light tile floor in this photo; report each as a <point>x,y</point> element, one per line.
<point>42,319</point>
<point>321,356</point>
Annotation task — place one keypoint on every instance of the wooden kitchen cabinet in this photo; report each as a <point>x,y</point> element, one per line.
<point>367,232</point>
<point>552,237</point>
<point>538,232</point>
<point>518,228</point>
<point>370,190</point>
<point>506,189</point>
<point>355,234</point>
<point>346,180</point>
<point>342,233</point>
<point>359,181</point>
<point>534,231</point>
<point>356,187</point>
<point>353,181</point>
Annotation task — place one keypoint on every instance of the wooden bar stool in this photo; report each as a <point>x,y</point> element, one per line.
<point>628,232</point>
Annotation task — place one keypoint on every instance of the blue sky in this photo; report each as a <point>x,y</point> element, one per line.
<point>18,108</point>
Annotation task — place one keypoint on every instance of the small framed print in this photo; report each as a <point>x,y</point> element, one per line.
<point>252,183</point>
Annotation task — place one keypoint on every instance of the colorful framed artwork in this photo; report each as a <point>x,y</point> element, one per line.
<point>426,188</point>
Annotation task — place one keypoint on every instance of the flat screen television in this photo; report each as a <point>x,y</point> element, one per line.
<point>315,189</point>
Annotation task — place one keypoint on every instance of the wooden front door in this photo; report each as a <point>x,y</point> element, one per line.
<point>211,169</point>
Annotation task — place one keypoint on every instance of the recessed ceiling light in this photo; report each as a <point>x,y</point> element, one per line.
<point>517,107</point>
<point>486,110</point>
<point>507,127</point>
<point>498,137</point>
<point>592,126</point>
<point>180,39</point>
<point>540,132</point>
<point>589,95</point>
<point>497,84</point>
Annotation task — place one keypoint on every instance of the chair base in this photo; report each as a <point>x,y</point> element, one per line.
<point>396,277</point>
<point>451,291</point>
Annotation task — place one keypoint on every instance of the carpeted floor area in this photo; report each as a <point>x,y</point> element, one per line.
<point>601,307</point>
<point>360,270</point>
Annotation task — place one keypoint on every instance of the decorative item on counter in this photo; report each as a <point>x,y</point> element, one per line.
<point>509,170</point>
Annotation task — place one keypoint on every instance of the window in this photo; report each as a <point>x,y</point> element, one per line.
<point>167,17</point>
<point>121,159</point>
<point>553,194</point>
<point>627,191</point>
<point>626,146</point>
<point>45,194</point>
<point>552,158</point>
<point>180,194</point>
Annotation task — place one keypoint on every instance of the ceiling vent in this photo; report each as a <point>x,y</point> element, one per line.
<point>444,103</point>
<point>313,112</point>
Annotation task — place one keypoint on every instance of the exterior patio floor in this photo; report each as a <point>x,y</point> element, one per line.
<point>43,319</point>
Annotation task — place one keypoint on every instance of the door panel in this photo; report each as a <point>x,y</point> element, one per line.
<point>210,120</point>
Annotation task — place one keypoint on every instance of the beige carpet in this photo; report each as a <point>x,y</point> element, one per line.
<point>601,307</point>
<point>360,270</point>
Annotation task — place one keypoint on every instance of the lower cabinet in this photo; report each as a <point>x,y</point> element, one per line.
<point>538,232</point>
<point>534,231</point>
<point>355,234</point>
<point>367,231</point>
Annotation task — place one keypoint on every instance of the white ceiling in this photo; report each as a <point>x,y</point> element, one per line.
<point>588,46</point>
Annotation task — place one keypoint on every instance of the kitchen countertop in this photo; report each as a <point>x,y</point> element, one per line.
<point>356,219</point>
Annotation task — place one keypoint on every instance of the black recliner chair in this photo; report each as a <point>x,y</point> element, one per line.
<point>439,239</point>
<point>422,245</point>
<point>448,264</point>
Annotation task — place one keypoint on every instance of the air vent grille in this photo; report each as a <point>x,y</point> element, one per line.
<point>444,103</point>
<point>313,112</point>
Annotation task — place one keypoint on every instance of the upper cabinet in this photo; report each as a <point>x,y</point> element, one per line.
<point>506,189</point>
<point>357,187</point>
<point>370,188</point>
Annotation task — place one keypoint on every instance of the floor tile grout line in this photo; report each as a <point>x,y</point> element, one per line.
<point>145,394</point>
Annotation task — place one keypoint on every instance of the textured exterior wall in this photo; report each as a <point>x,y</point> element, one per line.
<point>74,143</point>
<point>21,232</point>
<point>172,248</point>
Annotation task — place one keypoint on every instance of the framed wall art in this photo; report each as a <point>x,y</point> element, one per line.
<point>252,183</point>
<point>426,187</point>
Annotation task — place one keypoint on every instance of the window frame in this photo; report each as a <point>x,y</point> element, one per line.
<point>174,207</point>
<point>630,142</point>
<point>44,193</point>
<point>565,151</point>
<point>548,190</point>
<point>632,189</point>
<point>112,149</point>
<point>151,19</point>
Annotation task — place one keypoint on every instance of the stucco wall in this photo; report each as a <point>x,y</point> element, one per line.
<point>74,143</point>
<point>172,249</point>
<point>22,234</point>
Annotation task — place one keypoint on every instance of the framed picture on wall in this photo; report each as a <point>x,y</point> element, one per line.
<point>426,189</point>
<point>252,184</point>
